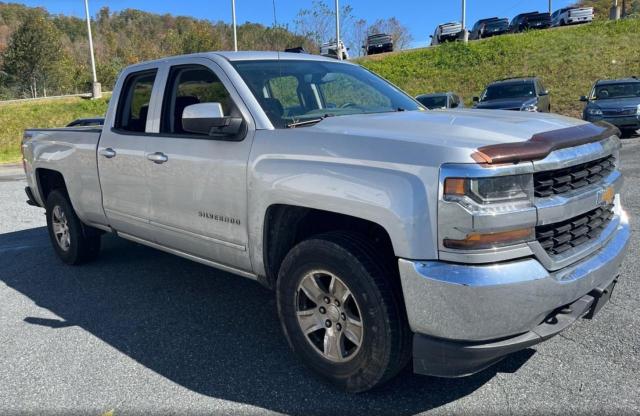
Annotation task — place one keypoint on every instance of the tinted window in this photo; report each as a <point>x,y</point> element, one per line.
<point>621,90</point>
<point>190,85</point>
<point>509,90</point>
<point>434,102</point>
<point>133,106</point>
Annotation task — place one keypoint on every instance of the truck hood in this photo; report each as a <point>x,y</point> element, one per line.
<point>467,128</point>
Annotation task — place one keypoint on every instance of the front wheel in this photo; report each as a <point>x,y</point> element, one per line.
<point>342,311</point>
<point>74,242</point>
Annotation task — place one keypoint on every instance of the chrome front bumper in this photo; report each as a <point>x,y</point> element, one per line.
<point>485,302</point>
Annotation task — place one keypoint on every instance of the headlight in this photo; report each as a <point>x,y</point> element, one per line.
<point>594,111</point>
<point>531,105</point>
<point>638,110</point>
<point>488,212</point>
<point>490,193</point>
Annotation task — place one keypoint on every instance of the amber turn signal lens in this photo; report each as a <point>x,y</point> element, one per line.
<point>455,186</point>
<point>475,241</point>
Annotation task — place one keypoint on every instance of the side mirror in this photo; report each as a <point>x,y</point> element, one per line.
<point>209,119</point>
<point>545,92</point>
<point>476,99</point>
<point>584,98</point>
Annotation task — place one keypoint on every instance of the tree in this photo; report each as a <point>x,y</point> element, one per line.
<point>33,52</point>
<point>318,23</point>
<point>359,35</point>
<point>401,36</point>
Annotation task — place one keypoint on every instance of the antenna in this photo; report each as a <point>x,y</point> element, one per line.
<point>275,27</point>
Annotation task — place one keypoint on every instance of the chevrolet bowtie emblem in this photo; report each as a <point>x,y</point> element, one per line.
<point>608,195</point>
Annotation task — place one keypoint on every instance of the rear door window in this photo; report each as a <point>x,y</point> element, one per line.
<point>133,105</point>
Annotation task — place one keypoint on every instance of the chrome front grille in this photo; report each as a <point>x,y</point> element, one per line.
<point>559,181</point>
<point>562,236</point>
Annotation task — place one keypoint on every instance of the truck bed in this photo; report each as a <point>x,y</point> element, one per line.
<point>72,152</point>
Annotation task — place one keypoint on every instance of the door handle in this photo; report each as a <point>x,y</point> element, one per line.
<point>157,157</point>
<point>108,153</point>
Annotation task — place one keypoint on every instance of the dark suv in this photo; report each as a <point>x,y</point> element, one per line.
<point>518,94</point>
<point>531,20</point>
<point>440,100</point>
<point>379,43</point>
<point>616,101</point>
<point>492,26</point>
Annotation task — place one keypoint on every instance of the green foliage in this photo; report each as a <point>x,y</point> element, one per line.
<point>33,54</point>
<point>16,117</point>
<point>124,38</point>
<point>568,60</point>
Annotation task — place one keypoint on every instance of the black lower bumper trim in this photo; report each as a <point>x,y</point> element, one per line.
<point>30,199</point>
<point>446,358</point>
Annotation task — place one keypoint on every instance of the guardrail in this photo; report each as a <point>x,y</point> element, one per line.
<point>52,97</point>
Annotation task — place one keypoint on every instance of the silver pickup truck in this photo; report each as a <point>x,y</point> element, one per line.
<point>388,232</point>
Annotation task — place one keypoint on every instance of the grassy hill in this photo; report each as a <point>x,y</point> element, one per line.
<point>568,60</point>
<point>15,117</point>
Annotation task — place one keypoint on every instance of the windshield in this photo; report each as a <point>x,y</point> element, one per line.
<point>439,101</point>
<point>621,90</point>
<point>496,24</point>
<point>296,91</point>
<point>509,90</point>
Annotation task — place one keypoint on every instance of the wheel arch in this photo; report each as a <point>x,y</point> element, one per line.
<point>48,180</point>
<point>286,225</point>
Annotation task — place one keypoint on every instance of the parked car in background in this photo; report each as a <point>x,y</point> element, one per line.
<point>330,50</point>
<point>446,32</point>
<point>518,94</point>
<point>615,101</point>
<point>530,20</point>
<point>441,100</point>
<point>87,122</point>
<point>572,15</point>
<point>492,26</point>
<point>296,49</point>
<point>379,43</point>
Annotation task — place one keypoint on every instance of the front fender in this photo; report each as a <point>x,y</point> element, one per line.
<point>394,199</point>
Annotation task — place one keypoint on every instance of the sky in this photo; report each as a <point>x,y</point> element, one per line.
<point>420,16</point>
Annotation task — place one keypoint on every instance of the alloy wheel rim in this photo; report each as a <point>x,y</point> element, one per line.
<point>61,228</point>
<point>329,316</point>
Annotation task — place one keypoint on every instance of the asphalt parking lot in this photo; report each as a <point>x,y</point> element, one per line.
<point>143,332</point>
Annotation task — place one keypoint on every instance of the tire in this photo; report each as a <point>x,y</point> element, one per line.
<point>81,243</point>
<point>374,288</point>
<point>627,133</point>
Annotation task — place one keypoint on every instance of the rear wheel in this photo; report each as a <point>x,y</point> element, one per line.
<point>342,312</point>
<point>74,242</point>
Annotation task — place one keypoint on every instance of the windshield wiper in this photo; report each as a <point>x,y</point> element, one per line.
<point>305,123</point>
<point>309,122</point>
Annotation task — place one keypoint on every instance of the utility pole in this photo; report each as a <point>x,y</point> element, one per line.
<point>96,88</point>
<point>235,29</point>
<point>338,48</point>
<point>465,34</point>
<point>614,14</point>
<point>550,7</point>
